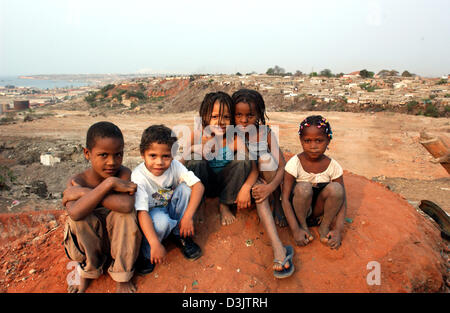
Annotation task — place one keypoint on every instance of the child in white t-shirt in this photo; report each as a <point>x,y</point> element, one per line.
<point>166,199</point>
<point>313,187</point>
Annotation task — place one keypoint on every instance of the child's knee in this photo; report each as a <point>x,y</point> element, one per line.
<point>303,190</point>
<point>335,190</point>
<point>241,164</point>
<point>161,223</point>
<point>182,191</point>
<point>267,163</point>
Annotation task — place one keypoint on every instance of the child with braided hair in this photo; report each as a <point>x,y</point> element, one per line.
<point>313,189</point>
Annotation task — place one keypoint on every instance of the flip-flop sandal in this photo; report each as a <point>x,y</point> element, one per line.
<point>285,272</point>
<point>438,215</point>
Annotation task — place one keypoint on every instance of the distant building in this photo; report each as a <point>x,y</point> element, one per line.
<point>20,105</point>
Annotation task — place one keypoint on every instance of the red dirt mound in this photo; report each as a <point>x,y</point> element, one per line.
<point>381,226</point>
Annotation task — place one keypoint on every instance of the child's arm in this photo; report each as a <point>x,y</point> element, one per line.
<point>288,184</point>
<point>264,190</point>
<point>90,199</point>
<point>122,202</point>
<point>157,251</point>
<point>187,221</point>
<point>244,199</point>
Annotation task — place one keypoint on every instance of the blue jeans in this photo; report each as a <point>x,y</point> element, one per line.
<point>165,219</point>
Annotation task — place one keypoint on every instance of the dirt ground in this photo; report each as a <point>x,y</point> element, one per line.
<point>382,150</point>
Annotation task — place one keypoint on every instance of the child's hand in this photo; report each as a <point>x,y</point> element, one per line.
<point>120,185</point>
<point>157,253</point>
<point>260,192</point>
<point>73,193</point>
<point>186,227</point>
<point>334,239</point>
<point>243,199</point>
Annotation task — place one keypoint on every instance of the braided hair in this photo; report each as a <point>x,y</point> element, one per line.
<point>250,96</point>
<point>318,121</point>
<point>208,102</point>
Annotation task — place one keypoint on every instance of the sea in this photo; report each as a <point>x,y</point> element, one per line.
<point>40,83</point>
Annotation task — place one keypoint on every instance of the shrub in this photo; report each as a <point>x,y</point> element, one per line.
<point>431,110</point>
<point>92,95</point>
<point>6,176</point>
<point>107,88</point>
<point>411,105</point>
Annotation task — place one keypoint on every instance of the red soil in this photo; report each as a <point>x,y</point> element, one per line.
<point>381,227</point>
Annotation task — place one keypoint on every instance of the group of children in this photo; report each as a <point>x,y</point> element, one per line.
<point>119,218</point>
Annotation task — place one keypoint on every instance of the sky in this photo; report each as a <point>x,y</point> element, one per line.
<point>199,36</point>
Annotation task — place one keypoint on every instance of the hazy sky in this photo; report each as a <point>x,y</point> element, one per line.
<point>197,36</point>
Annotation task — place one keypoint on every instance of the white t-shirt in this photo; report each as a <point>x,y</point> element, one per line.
<point>154,190</point>
<point>295,168</point>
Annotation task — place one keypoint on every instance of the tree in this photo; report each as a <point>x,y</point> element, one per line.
<point>270,71</point>
<point>385,73</point>
<point>238,74</point>
<point>326,72</point>
<point>366,74</point>
<point>298,73</point>
<point>406,74</point>
<point>313,74</point>
<point>276,70</point>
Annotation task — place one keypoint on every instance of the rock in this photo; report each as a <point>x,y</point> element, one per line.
<point>39,187</point>
<point>49,160</point>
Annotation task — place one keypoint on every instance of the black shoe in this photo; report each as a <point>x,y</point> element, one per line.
<point>188,247</point>
<point>144,266</point>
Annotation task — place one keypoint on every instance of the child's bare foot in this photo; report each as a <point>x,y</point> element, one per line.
<point>278,215</point>
<point>226,217</point>
<point>126,287</point>
<point>81,288</point>
<point>303,237</point>
<point>334,239</point>
<point>323,232</point>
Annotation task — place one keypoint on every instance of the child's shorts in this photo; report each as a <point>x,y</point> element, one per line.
<point>310,220</point>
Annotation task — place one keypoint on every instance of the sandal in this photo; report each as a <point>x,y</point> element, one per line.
<point>285,272</point>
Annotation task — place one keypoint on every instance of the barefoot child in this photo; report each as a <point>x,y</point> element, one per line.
<point>100,203</point>
<point>313,188</point>
<point>218,164</point>
<point>167,197</point>
<point>249,110</point>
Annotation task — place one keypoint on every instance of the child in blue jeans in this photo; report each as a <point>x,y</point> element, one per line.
<point>166,199</point>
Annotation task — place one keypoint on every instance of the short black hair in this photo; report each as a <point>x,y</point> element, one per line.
<point>102,130</point>
<point>157,133</point>
<point>250,97</point>
<point>207,105</point>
